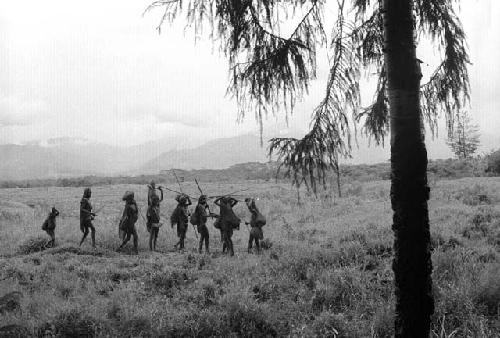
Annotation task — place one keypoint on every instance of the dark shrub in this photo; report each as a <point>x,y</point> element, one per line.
<point>14,331</point>
<point>328,324</point>
<point>114,311</point>
<point>33,245</point>
<point>245,320</point>
<point>166,282</point>
<point>493,165</point>
<point>203,323</point>
<point>71,324</point>
<point>136,327</point>
<point>488,292</point>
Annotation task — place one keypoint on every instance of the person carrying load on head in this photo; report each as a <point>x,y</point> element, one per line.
<point>257,221</point>
<point>153,212</point>
<point>129,217</point>
<point>199,218</point>
<point>87,216</point>
<point>227,221</point>
<point>153,220</point>
<point>49,226</point>
<point>152,192</point>
<point>180,217</point>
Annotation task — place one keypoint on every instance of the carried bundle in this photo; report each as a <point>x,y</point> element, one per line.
<point>128,195</point>
<point>257,233</point>
<point>174,216</point>
<point>122,227</point>
<point>128,218</point>
<point>217,223</point>
<point>121,231</point>
<point>195,217</point>
<point>181,198</point>
<point>260,220</point>
<point>233,220</point>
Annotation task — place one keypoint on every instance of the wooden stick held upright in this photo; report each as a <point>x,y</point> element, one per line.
<point>196,181</point>
<point>177,179</point>
<point>201,192</point>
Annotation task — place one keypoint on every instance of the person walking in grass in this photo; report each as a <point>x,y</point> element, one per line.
<point>152,192</point>
<point>153,220</point>
<point>49,226</point>
<point>257,221</point>
<point>199,218</point>
<point>180,217</point>
<point>129,217</point>
<point>86,217</point>
<point>227,221</point>
<point>153,214</point>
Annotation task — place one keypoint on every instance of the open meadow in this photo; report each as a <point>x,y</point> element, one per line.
<point>325,270</point>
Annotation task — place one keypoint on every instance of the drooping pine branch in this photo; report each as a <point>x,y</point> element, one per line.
<point>368,37</point>
<point>269,70</point>
<point>312,157</point>
<point>376,116</point>
<point>276,70</point>
<point>447,91</point>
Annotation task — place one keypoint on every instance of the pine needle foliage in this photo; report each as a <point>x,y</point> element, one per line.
<point>464,140</point>
<point>269,70</point>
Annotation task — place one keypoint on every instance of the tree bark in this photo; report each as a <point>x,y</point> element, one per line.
<point>412,264</point>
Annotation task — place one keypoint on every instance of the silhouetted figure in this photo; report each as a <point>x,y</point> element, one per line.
<point>49,226</point>
<point>180,217</point>
<point>201,216</point>
<point>152,192</point>
<point>86,217</point>
<point>153,220</point>
<point>227,222</point>
<point>129,217</point>
<point>257,221</point>
<point>10,302</point>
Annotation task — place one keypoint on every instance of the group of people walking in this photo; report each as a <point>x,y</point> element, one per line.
<point>226,221</point>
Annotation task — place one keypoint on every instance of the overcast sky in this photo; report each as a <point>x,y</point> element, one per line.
<point>100,70</point>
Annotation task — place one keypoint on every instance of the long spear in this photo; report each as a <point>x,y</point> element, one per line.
<point>172,190</point>
<point>178,192</point>
<point>177,179</point>
<point>201,192</point>
<point>230,194</point>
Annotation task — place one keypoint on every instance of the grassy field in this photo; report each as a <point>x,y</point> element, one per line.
<point>326,270</point>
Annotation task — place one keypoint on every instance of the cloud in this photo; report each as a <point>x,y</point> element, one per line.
<point>149,112</point>
<point>17,112</point>
<point>193,121</point>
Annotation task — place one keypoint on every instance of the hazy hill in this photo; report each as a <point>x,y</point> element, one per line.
<point>73,157</point>
<point>69,157</point>
<point>33,161</point>
<point>216,154</point>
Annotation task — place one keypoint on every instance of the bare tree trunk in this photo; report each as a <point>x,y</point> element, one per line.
<point>409,191</point>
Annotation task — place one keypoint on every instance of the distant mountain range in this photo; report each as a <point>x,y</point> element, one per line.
<point>216,154</point>
<point>67,157</point>
<point>70,157</point>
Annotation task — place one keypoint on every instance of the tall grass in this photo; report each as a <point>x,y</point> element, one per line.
<point>325,269</point>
